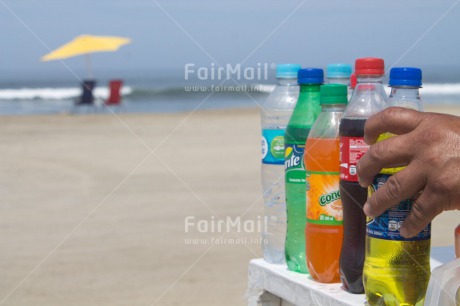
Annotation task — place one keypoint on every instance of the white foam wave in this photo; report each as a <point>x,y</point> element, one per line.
<point>432,89</point>
<point>440,89</point>
<point>427,89</point>
<point>55,93</point>
<point>65,93</point>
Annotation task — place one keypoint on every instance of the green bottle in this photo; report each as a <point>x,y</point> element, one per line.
<point>302,119</point>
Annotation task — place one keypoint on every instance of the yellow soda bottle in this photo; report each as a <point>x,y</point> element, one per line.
<point>396,269</point>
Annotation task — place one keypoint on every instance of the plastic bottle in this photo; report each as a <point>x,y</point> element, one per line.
<point>443,288</point>
<point>324,230</point>
<point>338,74</point>
<point>368,98</point>
<point>396,269</point>
<point>305,113</point>
<point>275,116</point>
<point>353,81</point>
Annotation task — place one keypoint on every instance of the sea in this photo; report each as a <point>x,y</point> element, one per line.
<point>162,91</point>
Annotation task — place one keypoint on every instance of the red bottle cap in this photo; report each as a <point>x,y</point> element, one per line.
<point>353,81</point>
<point>369,66</point>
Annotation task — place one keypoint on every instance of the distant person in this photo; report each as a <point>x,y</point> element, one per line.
<point>429,145</point>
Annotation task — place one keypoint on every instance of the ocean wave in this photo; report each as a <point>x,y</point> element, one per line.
<point>427,89</point>
<point>134,93</point>
<point>54,93</point>
<point>440,89</point>
<point>179,92</point>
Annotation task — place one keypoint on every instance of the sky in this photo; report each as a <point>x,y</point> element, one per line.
<point>166,35</point>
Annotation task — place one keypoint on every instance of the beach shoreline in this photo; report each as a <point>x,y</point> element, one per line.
<point>95,207</point>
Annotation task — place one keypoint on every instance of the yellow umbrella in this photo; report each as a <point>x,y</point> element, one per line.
<point>86,44</point>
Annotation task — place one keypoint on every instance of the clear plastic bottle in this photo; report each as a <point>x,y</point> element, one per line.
<point>338,74</point>
<point>397,269</point>
<point>406,95</point>
<point>275,116</point>
<point>305,113</point>
<point>368,98</point>
<point>353,81</point>
<point>324,230</point>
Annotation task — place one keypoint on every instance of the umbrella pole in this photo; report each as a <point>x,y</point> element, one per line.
<point>89,66</point>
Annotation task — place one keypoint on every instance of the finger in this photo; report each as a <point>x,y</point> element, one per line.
<point>392,152</point>
<point>399,187</point>
<point>396,120</point>
<point>425,208</point>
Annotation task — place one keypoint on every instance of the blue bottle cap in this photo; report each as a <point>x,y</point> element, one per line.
<point>310,76</point>
<point>406,76</point>
<point>335,71</point>
<point>287,71</point>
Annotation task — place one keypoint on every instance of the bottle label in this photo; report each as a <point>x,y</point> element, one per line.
<point>351,150</point>
<point>273,146</point>
<point>294,164</point>
<point>324,204</point>
<point>387,225</point>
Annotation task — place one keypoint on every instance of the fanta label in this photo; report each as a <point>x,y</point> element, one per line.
<point>324,204</point>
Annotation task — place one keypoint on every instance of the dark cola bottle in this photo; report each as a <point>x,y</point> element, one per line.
<point>368,98</point>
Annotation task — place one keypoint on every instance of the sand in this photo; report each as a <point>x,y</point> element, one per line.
<point>94,207</point>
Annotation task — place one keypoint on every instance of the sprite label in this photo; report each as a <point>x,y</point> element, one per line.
<point>294,164</point>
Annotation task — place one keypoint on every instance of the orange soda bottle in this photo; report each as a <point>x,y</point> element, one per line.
<point>324,229</point>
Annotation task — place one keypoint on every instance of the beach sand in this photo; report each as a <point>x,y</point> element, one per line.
<point>94,207</point>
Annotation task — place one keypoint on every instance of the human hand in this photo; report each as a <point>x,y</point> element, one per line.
<point>429,145</point>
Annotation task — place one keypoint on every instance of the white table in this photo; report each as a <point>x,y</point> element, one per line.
<point>275,285</point>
